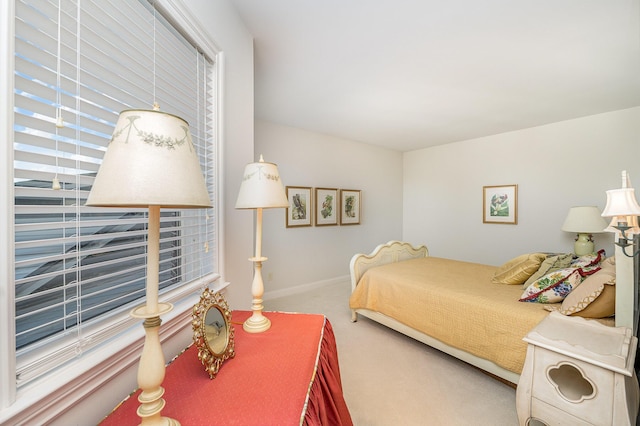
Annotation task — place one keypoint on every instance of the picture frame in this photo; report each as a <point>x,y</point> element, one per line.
<point>350,206</point>
<point>327,206</point>
<point>213,334</point>
<point>500,204</point>
<point>300,210</point>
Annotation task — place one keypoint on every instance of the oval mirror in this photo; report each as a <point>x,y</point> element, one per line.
<point>216,335</point>
<point>212,331</point>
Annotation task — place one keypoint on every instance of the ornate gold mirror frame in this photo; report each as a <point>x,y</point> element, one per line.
<point>212,331</point>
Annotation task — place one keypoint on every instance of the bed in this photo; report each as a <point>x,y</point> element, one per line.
<point>454,306</point>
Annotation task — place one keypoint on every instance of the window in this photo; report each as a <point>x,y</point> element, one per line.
<point>79,270</point>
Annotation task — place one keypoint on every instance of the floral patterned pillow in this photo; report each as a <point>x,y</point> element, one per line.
<point>552,263</point>
<point>588,261</point>
<point>555,286</point>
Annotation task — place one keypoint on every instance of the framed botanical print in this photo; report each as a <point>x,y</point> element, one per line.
<point>500,204</point>
<point>327,206</point>
<point>300,207</point>
<point>350,207</point>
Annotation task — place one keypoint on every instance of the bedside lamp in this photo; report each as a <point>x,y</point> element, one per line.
<point>624,210</point>
<point>150,162</point>
<point>584,220</point>
<point>261,188</point>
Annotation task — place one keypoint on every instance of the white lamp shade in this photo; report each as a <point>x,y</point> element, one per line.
<point>621,202</point>
<point>150,161</point>
<point>261,187</point>
<point>584,219</point>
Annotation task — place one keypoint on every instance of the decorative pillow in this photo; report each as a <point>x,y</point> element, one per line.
<point>518,269</point>
<point>609,264</point>
<point>553,287</point>
<point>588,261</point>
<point>550,264</point>
<point>596,295</point>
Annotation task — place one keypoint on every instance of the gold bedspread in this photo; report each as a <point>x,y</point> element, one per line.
<point>454,302</point>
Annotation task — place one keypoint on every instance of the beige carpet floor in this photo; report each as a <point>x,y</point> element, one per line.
<point>390,379</point>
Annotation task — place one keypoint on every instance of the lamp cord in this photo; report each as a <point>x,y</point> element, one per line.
<point>155,103</point>
<point>55,184</point>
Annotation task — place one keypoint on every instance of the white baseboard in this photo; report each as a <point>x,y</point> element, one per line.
<point>268,295</point>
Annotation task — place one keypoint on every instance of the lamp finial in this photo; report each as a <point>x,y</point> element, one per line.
<point>626,181</point>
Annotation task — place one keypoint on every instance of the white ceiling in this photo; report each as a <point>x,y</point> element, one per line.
<point>408,74</point>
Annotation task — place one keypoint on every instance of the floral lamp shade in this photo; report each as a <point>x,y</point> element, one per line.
<point>261,187</point>
<point>150,161</point>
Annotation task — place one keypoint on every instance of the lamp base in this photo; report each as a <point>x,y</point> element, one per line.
<point>142,312</point>
<point>154,418</point>
<point>151,369</point>
<point>256,323</point>
<point>584,245</point>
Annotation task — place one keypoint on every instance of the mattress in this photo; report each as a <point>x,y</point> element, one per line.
<point>454,302</point>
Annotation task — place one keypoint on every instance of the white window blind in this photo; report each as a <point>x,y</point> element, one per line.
<point>79,270</point>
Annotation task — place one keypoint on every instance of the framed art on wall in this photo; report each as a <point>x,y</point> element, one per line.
<point>500,204</point>
<point>327,206</point>
<point>350,207</point>
<point>300,207</point>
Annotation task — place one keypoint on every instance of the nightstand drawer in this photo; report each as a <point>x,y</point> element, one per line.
<point>573,386</point>
<point>552,416</point>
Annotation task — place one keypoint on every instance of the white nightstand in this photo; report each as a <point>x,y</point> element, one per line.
<point>578,372</point>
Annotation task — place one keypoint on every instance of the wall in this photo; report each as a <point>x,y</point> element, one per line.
<point>556,166</point>
<point>237,128</point>
<point>311,255</point>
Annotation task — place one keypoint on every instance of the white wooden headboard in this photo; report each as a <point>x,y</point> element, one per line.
<point>393,251</point>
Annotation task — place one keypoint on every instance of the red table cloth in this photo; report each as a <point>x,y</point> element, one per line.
<point>287,375</point>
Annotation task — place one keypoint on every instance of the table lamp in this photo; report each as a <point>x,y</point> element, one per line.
<point>585,221</point>
<point>150,162</point>
<point>261,188</point>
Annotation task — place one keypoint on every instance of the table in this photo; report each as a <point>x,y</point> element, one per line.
<point>578,371</point>
<point>287,375</point>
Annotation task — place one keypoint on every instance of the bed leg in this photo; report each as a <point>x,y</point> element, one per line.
<point>354,316</point>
